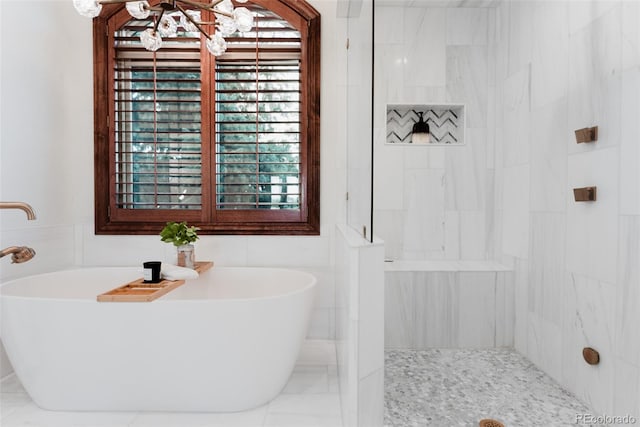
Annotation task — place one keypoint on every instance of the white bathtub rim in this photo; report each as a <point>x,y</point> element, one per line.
<point>307,287</point>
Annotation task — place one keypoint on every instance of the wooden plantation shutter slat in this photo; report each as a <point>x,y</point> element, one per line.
<point>258,107</point>
<point>158,123</point>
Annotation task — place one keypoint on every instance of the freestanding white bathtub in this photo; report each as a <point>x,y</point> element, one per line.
<point>225,342</point>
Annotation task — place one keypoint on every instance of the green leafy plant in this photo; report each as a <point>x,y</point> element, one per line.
<point>179,233</point>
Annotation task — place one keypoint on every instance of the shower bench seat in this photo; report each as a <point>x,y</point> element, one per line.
<point>448,304</point>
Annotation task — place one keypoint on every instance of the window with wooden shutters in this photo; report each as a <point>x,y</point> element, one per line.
<point>158,149</point>
<point>228,143</point>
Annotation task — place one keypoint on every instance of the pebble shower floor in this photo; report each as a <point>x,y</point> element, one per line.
<point>450,388</point>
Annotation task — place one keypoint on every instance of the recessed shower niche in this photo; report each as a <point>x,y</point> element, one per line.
<point>446,123</point>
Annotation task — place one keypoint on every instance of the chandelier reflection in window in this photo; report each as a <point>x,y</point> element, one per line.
<point>228,19</point>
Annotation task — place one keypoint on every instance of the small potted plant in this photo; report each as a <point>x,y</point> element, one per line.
<point>182,236</point>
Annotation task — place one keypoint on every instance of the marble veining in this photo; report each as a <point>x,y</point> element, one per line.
<point>466,80</point>
<point>589,319</point>
<point>447,309</point>
<point>435,203</point>
<point>460,387</point>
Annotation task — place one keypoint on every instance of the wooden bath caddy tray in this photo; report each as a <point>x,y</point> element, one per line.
<point>139,291</point>
<point>202,266</point>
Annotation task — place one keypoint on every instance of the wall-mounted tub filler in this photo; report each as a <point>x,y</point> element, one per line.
<point>19,254</point>
<point>31,215</point>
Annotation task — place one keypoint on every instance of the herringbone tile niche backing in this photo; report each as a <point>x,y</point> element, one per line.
<point>446,123</point>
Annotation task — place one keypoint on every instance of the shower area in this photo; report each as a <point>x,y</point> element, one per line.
<point>507,296</point>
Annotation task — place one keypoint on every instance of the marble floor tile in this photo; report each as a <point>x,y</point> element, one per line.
<point>252,418</point>
<point>297,420</point>
<point>31,415</point>
<point>308,379</point>
<point>461,387</point>
<point>306,404</point>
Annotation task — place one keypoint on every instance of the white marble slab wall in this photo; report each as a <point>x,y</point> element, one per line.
<point>561,66</point>
<point>434,202</point>
<point>427,309</point>
<point>626,334</point>
<point>360,316</point>
<point>626,395</point>
<point>40,164</point>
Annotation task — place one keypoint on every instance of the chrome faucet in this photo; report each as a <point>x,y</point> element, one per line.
<point>19,253</point>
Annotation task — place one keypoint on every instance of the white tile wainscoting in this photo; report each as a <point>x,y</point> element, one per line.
<point>448,304</point>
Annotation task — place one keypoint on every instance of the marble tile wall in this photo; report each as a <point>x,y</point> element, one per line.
<point>360,307</point>
<point>432,202</point>
<point>626,333</point>
<point>427,309</point>
<point>561,66</point>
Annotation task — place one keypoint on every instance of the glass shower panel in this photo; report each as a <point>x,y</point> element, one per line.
<point>359,116</point>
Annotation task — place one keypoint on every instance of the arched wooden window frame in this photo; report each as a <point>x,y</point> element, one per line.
<point>109,219</point>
